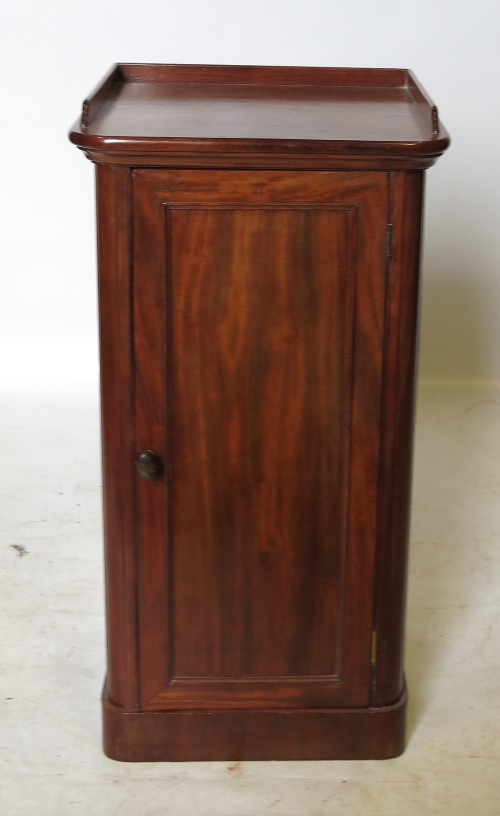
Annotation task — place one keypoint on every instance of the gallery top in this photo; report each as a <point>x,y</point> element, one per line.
<point>253,115</point>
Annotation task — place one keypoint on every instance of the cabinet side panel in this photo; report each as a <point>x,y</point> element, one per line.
<point>397,433</point>
<point>113,216</point>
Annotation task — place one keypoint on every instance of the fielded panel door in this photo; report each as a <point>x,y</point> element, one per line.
<point>258,303</point>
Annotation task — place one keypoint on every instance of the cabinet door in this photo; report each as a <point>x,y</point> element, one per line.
<point>258,332</point>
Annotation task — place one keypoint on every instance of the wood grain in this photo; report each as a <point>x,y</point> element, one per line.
<point>175,111</point>
<point>264,75</point>
<point>349,733</point>
<point>114,207</point>
<point>245,360</point>
<point>264,159</point>
<point>397,433</point>
<point>257,334</point>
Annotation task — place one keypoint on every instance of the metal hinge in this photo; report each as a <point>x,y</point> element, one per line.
<point>373,666</point>
<point>390,230</point>
<point>374,648</point>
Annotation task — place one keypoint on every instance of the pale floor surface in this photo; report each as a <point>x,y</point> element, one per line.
<point>52,641</point>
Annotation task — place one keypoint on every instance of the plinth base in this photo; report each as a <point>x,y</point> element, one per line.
<point>233,735</point>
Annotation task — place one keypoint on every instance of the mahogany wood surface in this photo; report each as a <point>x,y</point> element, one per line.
<point>402,302</point>
<point>263,75</point>
<point>114,205</point>
<point>235,735</point>
<point>172,110</point>
<point>258,321</point>
<point>258,384</point>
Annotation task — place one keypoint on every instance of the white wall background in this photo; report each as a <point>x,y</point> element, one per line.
<point>53,52</point>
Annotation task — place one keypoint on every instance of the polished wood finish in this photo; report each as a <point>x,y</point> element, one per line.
<point>258,289</point>
<point>401,318</point>
<point>233,735</point>
<point>174,111</point>
<point>263,75</point>
<point>115,317</point>
<point>102,94</point>
<point>260,390</point>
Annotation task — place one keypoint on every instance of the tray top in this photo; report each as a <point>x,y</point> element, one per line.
<point>186,108</point>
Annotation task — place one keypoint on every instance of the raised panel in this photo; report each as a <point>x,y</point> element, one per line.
<point>258,358</point>
<point>261,343</point>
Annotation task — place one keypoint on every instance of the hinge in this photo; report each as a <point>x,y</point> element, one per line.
<point>374,648</point>
<point>85,114</point>
<point>435,120</point>
<point>373,666</point>
<point>390,230</point>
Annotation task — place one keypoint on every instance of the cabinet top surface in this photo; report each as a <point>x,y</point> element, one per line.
<point>340,111</point>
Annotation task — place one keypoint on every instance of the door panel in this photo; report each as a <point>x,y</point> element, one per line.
<point>258,323</point>
<point>257,439</point>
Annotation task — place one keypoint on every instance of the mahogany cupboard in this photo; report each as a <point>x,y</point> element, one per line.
<point>259,245</point>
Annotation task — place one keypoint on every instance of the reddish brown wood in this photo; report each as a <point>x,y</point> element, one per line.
<point>264,75</point>
<point>100,95</point>
<point>397,432</point>
<point>427,106</point>
<point>262,161</point>
<point>268,430</point>
<point>173,111</point>
<point>258,333</point>
<point>355,733</point>
<point>114,222</point>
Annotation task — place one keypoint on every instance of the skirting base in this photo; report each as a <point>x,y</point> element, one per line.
<point>154,736</point>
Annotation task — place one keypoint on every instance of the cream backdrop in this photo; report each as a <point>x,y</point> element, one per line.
<point>52,54</point>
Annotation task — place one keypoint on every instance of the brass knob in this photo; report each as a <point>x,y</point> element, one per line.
<point>148,465</point>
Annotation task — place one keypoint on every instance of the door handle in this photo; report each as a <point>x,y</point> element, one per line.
<point>148,465</point>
